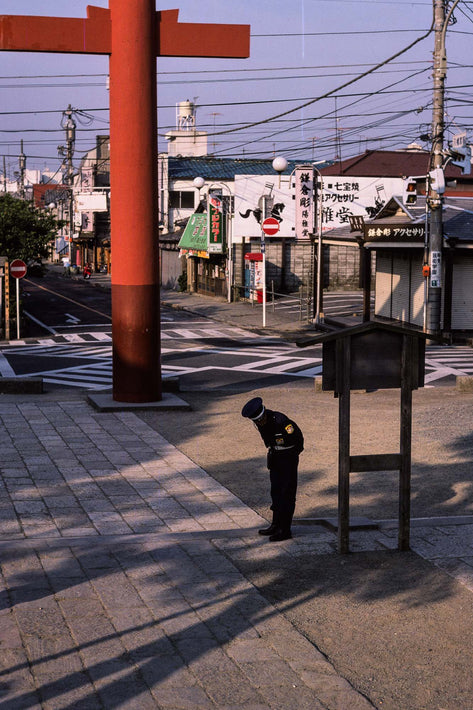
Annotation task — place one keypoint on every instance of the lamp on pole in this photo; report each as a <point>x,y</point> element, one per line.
<point>227,215</point>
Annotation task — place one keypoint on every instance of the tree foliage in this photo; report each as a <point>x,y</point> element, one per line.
<point>26,232</point>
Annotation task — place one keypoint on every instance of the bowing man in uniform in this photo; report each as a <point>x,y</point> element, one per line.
<point>284,441</point>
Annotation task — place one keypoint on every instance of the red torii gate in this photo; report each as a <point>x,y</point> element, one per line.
<point>133,33</point>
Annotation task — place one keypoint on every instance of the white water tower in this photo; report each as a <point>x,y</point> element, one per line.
<point>185,140</point>
<point>185,116</point>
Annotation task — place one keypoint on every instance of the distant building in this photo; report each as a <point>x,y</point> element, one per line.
<point>395,237</point>
<point>186,140</point>
<point>92,207</point>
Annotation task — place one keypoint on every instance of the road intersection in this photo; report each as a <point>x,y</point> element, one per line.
<point>194,349</point>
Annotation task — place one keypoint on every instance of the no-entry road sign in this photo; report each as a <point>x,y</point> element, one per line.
<point>270,226</point>
<point>18,269</point>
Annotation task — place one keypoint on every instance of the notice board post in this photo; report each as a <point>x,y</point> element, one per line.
<point>369,357</point>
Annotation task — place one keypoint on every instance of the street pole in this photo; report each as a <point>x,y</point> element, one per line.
<point>319,309</point>
<point>434,198</point>
<point>263,251</point>
<point>267,202</point>
<point>230,253</point>
<point>70,127</point>
<point>22,165</point>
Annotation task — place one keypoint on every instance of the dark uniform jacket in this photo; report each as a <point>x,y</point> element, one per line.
<point>281,434</point>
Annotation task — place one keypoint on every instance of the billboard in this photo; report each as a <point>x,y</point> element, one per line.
<point>91,202</point>
<point>251,192</point>
<point>342,197</point>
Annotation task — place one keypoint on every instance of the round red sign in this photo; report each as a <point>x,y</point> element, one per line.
<point>270,226</point>
<point>18,269</point>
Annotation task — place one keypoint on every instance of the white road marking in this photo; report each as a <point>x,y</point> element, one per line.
<point>257,355</point>
<point>40,323</point>
<point>6,369</point>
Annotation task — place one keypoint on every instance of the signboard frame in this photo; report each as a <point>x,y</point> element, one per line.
<point>217,232</point>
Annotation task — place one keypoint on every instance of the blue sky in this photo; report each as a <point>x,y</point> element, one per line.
<point>299,51</point>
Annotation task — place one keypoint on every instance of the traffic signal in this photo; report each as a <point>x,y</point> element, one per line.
<point>409,192</point>
<point>461,153</point>
<point>437,180</point>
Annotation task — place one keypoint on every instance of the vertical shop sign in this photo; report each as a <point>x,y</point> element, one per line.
<point>7,300</point>
<point>436,269</point>
<point>305,207</point>
<point>216,238</point>
<point>3,260</point>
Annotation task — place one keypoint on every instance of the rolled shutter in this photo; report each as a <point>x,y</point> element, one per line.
<point>462,295</point>
<point>382,304</point>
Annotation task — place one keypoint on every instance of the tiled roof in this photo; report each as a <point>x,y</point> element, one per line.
<point>388,163</point>
<point>457,220</point>
<point>225,168</point>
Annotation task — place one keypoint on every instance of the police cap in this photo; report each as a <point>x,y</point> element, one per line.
<point>253,409</point>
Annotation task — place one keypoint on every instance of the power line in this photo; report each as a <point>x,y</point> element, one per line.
<point>352,81</point>
<point>206,71</point>
<point>329,34</point>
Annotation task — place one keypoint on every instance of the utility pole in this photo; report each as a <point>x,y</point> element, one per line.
<point>22,165</point>
<point>435,190</point>
<point>434,199</point>
<point>67,151</point>
<point>69,126</point>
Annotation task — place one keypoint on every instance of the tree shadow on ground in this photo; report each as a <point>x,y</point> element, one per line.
<point>166,616</point>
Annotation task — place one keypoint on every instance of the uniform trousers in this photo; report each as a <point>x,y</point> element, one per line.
<point>282,467</point>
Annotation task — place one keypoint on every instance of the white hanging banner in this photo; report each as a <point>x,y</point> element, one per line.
<point>305,202</point>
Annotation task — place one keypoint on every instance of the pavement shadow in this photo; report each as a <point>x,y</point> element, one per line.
<point>140,618</point>
<point>214,435</point>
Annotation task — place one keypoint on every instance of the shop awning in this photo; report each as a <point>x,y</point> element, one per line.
<point>194,238</point>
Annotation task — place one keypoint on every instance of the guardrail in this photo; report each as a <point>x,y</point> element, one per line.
<point>299,302</point>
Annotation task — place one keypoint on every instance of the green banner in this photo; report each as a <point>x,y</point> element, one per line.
<point>217,225</point>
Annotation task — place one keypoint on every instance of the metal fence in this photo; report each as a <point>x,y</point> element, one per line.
<point>297,304</point>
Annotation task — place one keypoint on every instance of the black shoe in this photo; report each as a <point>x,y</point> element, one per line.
<point>269,530</point>
<point>280,535</point>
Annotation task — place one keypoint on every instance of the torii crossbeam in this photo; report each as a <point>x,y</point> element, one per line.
<point>133,33</point>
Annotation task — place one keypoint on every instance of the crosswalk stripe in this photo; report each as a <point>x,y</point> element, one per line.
<point>73,337</point>
<point>310,372</point>
<point>264,355</point>
<point>6,369</point>
<point>101,336</point>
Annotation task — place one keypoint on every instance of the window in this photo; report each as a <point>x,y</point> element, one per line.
<point>181,199</point>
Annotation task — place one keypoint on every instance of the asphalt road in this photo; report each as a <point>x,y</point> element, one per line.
<point>56,305</point>
<point>71,320</point>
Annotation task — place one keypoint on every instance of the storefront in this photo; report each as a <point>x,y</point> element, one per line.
<point>400,285</point>
<point>458,283</point>
<point>206,273</point>
<point>401,282</point>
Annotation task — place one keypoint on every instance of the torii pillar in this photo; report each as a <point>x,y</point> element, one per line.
<point>133,34</point>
